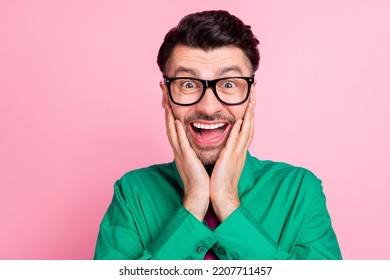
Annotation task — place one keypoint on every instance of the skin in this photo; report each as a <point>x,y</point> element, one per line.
<point>210,173</point>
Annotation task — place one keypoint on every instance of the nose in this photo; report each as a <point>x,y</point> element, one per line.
<point>209,104</point>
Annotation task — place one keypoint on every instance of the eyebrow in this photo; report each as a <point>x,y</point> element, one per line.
<point>225,70</point>
<point>220,72</point>
<point>185,70</point>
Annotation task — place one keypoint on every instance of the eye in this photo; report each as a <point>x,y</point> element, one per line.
<point>229,84</point>
<point>188,84</point>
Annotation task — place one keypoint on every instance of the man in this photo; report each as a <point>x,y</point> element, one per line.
<point>215,201</point>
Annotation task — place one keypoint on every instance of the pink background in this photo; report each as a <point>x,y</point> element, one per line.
<point>80,105</point>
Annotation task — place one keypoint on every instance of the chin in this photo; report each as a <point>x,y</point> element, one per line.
<point>208,157</point>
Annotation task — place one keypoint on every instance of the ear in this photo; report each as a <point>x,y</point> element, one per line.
<point>165,99</point>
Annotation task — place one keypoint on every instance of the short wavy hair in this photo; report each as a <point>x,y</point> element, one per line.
<point>209,30</point>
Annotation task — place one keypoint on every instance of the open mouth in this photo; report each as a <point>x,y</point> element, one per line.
<point>207,134</point>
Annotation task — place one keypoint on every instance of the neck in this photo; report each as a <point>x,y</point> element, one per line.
<point>209,169</point>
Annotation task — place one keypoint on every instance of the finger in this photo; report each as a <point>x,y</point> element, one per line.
<point>252,127</point>
<point>234,135</point>
<point>252,130</point>
<point>247,129</point>
<point>181,136</point>
<point>171,129</point>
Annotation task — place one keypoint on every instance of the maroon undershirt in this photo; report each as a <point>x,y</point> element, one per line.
<point>212,222</point>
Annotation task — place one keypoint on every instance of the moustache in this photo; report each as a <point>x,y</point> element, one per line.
<point>196,116</point>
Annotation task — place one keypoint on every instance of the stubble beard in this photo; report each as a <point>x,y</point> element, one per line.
<point>208,156</point>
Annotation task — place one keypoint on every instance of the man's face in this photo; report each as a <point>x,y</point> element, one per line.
<point>207,123</point>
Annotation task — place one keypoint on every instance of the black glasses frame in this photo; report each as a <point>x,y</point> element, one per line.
<point>209,84</point>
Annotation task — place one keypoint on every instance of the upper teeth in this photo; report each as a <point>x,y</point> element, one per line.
<point>208,126</point>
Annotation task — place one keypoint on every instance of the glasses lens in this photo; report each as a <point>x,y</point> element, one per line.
<point>186,91</point>
<point>232,90</point>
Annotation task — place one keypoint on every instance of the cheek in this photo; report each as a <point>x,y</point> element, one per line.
<point>180,112</point>
<point>238,112</point>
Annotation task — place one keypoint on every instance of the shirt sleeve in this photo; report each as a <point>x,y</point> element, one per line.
<point>317,239</point>
<point>242,237</point>
<point>183,237</point>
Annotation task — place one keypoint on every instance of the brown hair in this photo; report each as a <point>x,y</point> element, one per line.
<point>208,30</point>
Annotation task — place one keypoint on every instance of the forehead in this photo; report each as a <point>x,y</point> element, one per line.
<point>214,63</point>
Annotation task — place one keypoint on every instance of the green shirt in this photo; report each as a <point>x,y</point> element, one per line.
<point>282,215</point>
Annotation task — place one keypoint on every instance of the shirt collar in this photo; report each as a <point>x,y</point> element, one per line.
<point>245,180</point>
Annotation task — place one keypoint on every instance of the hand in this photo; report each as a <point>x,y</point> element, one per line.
<point>228,168</point>
<point>192,172</point>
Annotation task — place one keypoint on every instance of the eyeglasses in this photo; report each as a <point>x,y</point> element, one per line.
<point>189,91</point>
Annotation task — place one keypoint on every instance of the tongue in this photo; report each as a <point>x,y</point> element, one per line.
<point>210,133</point>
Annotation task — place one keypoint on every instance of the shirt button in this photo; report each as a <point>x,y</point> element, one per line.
<point>200,249</point>
<point>221,251</point>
